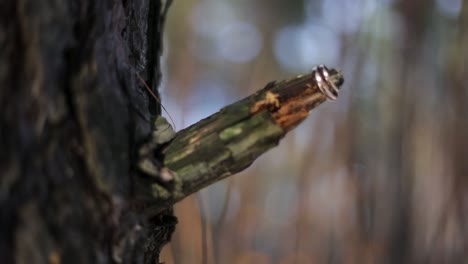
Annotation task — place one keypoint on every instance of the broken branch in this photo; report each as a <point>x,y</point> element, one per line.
<point>229,141</point>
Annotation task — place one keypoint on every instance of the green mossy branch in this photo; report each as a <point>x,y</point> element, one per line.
<point>229,141</point>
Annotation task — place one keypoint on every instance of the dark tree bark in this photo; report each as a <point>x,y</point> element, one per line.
<point>72,114</point>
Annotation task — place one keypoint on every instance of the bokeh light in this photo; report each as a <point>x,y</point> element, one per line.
<point>378,176</point>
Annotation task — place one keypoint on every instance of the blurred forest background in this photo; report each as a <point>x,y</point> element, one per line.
<point>378,176</point>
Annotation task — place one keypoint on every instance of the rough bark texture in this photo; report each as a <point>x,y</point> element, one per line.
<point>72,114</point>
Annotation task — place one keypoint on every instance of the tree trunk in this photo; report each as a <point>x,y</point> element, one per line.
<point>89,172</point>
<point>72,113</point>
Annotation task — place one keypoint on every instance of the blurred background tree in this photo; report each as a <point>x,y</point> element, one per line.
<point>379,176</point>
